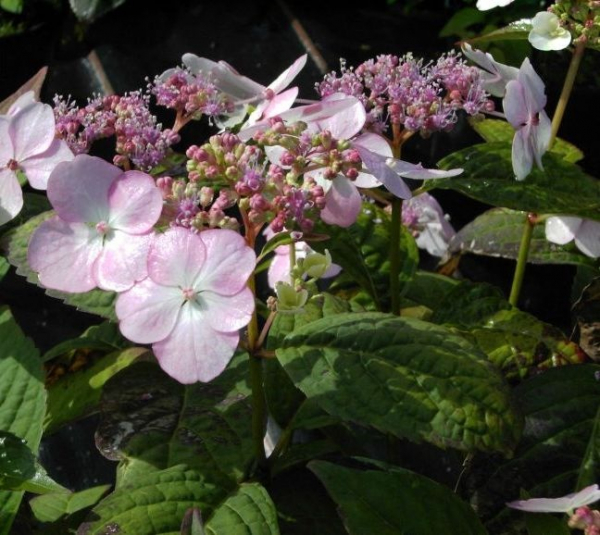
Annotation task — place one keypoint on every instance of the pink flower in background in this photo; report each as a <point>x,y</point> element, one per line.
<point>27,143</point>
<point>102,230</point>
<point>268,101</point>
<point>565,504</point>
<point>193,303</point>
<point>585,232</point>
<point>524,104</point>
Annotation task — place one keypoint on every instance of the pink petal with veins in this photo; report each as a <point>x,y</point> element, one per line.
<point>32,129</point>
<point>135,202</point>
<point>78,190</point>
<point>227,313</point>
<point>287,76</point>
<point>194,351</point>
<point>11,196</point>
<point>38,168</point>
<point>148,312</point>
<point>342,203</point>
<point>7,151</point>
<point>64,255</point>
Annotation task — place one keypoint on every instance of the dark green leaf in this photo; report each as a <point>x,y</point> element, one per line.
<point>429,289</point>
<point>545,524</point>
<point>4,267</point>
<point>15,244</point>
<point>461,20</point>
<point>151,422</point>
<point>363,252</point>
<point>248,511</point>
<point>402,376</point>
<point>514,31</point>
<point>496,130</point>
<point>395,502</point>
<point>22,399</point>
<point>78,394</point>
<point>17,462</point>
<point>562,188</point>
<point>51,507</point>
<point>498,233</point>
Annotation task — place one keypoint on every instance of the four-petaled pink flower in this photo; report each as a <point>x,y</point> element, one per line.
<point>27,143</point>
<point>565,504</point>
<point>102,230</point>
<point>268,101</point>
<point>193,303</point>
<point>524,104</point>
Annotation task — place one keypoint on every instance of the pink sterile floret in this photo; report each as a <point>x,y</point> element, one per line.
<point>102,230</point>
<point>193,303</point>
<point>27,143</point>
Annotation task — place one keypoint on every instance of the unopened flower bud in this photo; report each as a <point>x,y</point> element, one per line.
<point>315,265</point>
<point>290,300</point>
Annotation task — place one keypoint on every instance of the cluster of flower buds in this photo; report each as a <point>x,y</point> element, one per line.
<point>586,519</point>
<point>418,96</point>
<point>140,139</point>
<point>580,18</point>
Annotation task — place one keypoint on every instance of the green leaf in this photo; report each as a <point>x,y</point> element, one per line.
<point>248,511</point>
<point>498,233</point>
<point>17,462</point>
<point>558,452</point>
<point>152,504</point>
<point>151,422</point>
<point>545,524</point>
<point>519,344</point>
<point>461,20</point>
<point>12,6</point>
<point>363,367</point>
<point>363,252</point>
<point>22,399</point>
<point>304,506</point>
<point>104,337</point>
<point>78,394</point>
<point>562,188</point>
<point>469,304</point>
<point>497,130</point>
<point>4,267</point>
<point>395,502</point>
<point>15,244</point>
<point>51,507</point>
<point>518,30</point>
<point>429,289</point>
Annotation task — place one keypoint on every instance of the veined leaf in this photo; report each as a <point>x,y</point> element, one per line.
<point>51,507</point>
<point>402,376</point>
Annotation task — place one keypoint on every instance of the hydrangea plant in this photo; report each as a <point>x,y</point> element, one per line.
<point>275,352</point>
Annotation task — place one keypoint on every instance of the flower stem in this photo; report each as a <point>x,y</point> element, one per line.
<point>530,222</point>
<point>566,90</point>
<point>394,254</point>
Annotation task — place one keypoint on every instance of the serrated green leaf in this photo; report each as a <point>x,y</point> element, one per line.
<point>78,394</point>
<point>519,344</point>
<point>362,250</point>
<point>51,507</point>
<point>514,31</point>
<point>152,504</point>
<point>562,188</point>
<point>248,511</point>
<point>395,502</point>
<point>15,244</point>
<point>429,289</point>
<point>469,304</point>
<point>402,376</point>
<point>22,399</point>
<point>493,130</point>
<point>552,459</point>
<point>104,337</point>
<point>151,422</point>
<point>498,233</point>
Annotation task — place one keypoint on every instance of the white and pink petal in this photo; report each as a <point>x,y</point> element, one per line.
<point>32,129</point>
<point>342,203</point>
<point>38,168</point>
<point>11,195</point>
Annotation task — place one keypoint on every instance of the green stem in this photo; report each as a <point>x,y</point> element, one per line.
<point>517,283</point>
<point>566,90</point>
<point>394,254</point>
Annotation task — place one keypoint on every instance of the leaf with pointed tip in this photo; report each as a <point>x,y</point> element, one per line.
<point>247,511</point>
<point>15,244</point>
<point>498,233</point>
<point>395,502</point>
<point>78,394</point>
<point>497,130</point>
<point>151,422</point>
<point>403,376</point>
<point>22,399</point>
<point>51,507</point>
<point>562,188</point>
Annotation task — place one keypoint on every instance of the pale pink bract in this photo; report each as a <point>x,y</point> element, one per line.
<point>102,229</point>
<point>27,143</point>
<point>193,303</point>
